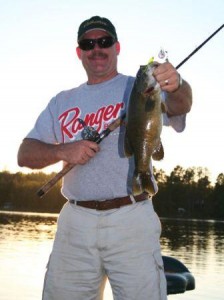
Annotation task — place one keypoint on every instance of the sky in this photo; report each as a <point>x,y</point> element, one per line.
<point>38,60</point>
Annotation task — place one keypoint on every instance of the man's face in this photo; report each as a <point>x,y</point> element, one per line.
<point>100,63</point>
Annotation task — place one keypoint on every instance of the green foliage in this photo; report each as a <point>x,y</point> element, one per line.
<point>18,192</point>
<point>185,193</point>
<point>189,193</point>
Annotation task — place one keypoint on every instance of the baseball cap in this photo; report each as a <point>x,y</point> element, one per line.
<point>97,22</point>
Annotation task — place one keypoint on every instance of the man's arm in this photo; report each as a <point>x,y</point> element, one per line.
<point>35,154</point>
<point>180,101</point>
<point>179,95</point>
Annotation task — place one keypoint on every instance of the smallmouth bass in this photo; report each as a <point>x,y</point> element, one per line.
<point>144,127</point>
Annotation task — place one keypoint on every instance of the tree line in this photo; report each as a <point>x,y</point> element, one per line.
<point>184,192</point>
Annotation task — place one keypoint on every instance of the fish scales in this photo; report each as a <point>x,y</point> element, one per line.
<point>143,128</point>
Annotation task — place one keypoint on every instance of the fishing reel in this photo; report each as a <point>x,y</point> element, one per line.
<point>88,132</point>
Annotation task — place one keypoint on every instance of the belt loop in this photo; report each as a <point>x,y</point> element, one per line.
<point>74,202</point>
<point>132,199</point>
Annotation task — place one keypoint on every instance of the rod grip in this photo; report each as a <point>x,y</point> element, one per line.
<point>47,186</point>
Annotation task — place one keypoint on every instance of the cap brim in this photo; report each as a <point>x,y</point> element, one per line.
<point>95,29</point>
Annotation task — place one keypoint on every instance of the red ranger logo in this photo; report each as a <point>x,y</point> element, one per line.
<point>70,126</point>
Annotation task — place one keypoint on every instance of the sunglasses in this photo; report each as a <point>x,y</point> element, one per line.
<point>103,42</point>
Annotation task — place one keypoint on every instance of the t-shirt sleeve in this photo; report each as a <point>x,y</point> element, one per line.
<point>178,123</point>
<point>44,128</point>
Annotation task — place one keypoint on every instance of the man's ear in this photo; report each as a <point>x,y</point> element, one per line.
<point>118,47</point>
<point>78,52</point>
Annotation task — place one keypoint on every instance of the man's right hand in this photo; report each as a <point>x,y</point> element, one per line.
<point>79,152</point>
<point>35,154</point>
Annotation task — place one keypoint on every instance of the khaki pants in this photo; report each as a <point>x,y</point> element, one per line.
<point>121,245</point>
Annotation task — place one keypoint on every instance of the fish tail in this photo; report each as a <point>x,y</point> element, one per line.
<point>142,182</point>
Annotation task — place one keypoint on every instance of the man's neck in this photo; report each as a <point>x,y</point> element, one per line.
<point>100,79</point>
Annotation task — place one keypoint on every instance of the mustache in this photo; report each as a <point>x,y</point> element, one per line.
<point>97,54</point>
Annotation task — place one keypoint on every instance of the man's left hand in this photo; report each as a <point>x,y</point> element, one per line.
<point>167,77</point>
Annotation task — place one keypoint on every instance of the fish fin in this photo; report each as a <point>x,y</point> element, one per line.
<point>142,182</point>
<point>163,107</point>
<point>158,153</point>
<point>127,147</point>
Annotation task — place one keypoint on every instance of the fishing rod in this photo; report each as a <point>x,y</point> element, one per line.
<point>90,134</point>
<point>199,47</point>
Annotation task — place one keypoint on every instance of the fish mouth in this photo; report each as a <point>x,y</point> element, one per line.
<point>149,90</point>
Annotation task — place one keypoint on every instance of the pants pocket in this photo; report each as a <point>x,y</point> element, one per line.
<point>162,278</point>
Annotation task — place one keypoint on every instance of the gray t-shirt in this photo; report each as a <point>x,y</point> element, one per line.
<point>109,174</point>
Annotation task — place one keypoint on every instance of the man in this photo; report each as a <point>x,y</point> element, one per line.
<point>92,244</point>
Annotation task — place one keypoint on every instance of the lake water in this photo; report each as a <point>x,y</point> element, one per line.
<point>26,241</point>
